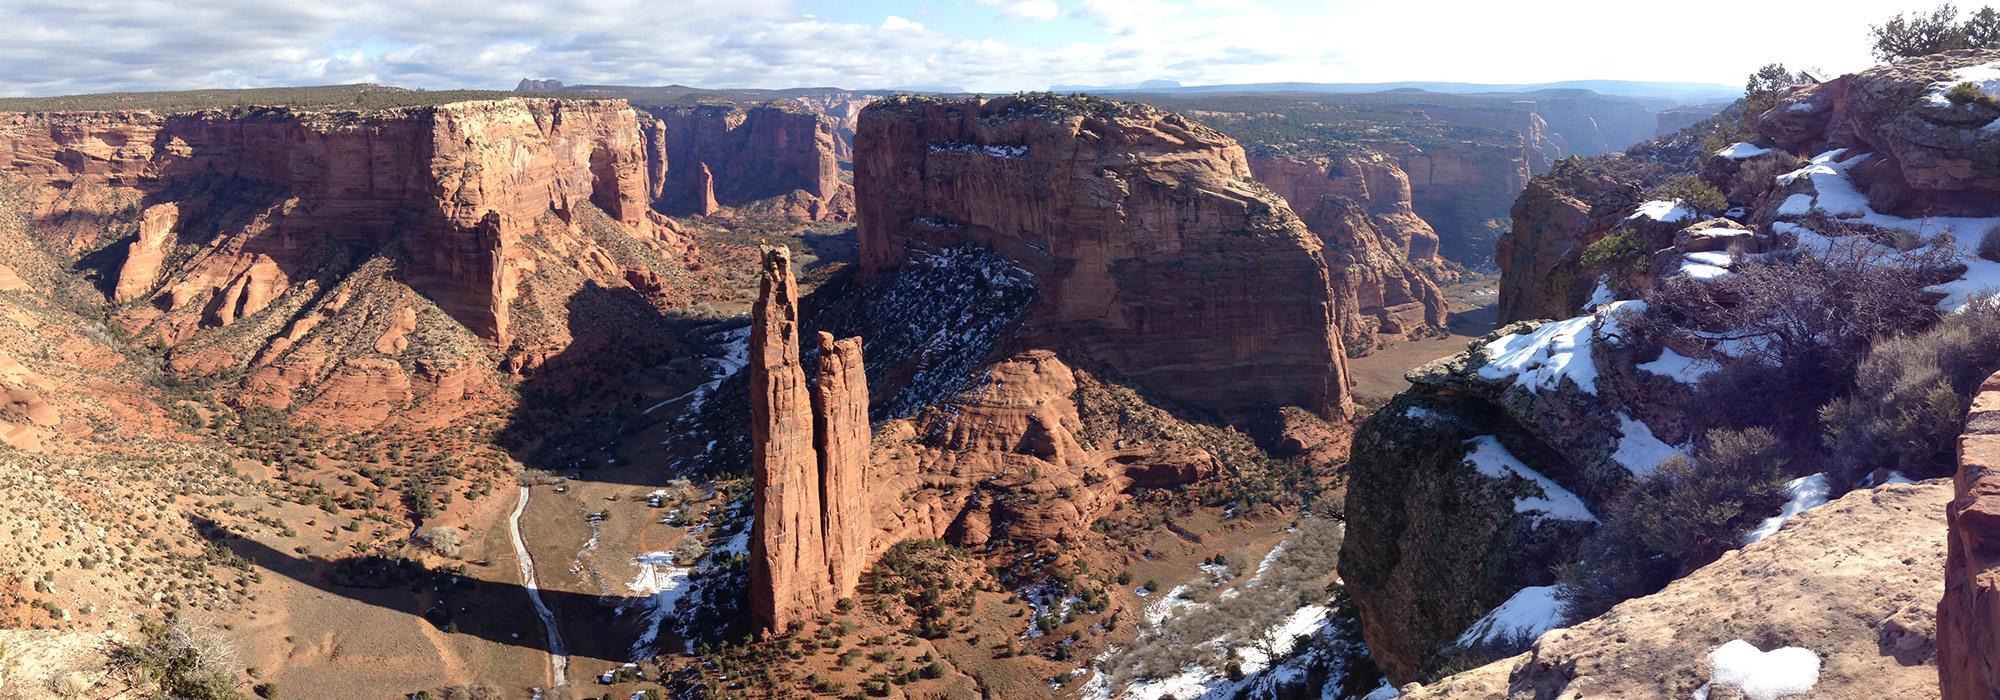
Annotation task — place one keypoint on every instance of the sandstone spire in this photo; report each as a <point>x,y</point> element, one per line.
<point>787,551</point>
<point>840,422</point>
<point>809,462</point>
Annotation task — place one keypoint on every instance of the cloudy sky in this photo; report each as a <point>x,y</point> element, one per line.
<point>69,46</point>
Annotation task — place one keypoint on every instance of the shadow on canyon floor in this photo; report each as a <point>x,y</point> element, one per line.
<point>476,601</point>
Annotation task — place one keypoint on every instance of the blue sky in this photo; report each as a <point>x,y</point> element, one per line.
<point>66,46</point>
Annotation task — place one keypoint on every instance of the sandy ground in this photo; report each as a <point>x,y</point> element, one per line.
<point>1474,313</point>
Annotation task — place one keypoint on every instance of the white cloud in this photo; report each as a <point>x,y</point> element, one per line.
<point>898,24</point>
<point>68,46</point>
<point>1033,10</point>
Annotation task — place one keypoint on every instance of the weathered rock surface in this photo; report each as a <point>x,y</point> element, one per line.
<point>1459,187</point>
<point>1420,577</point>
<point>1852,581</point>
<point>788,567</point>
<point>1557,215</point>
<point>1005,464</point>
<point>280,225</point>
<point>842,439</point>
<point>713,157</point>
<point>1936,156</point>
<point>809,462</point>
<point>1969,614</point>
<point>1381,254</point>
<point>1155,251</point>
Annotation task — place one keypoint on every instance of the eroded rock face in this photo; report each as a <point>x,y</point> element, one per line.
<point>725,156</point>
<point>841,437</point>
<point>1155,251</point>
<point>1006,465</point>
<point>1461,186</point>
<point>1851,581</point>
<point>1556,216</point>
<point>1935,156</point>
<point>270,214</point>
<point>788,568</point>
<point>809,461</point>
<point>1378,248</point>
<point>1969,614</point>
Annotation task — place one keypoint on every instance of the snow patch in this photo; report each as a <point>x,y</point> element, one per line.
<point>1807,493</point>
<point>1762,675</point>
<point>1492,460</point>
<point>1600,296</point>
<point>1742,151</point>
<point>1639,451</point>
<point>1680,368</point>
<point>1529,613</point>
<point>1542,358</point>
<point>1664,211</point>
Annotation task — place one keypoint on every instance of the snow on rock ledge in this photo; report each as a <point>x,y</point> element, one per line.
<point>1855,581</point>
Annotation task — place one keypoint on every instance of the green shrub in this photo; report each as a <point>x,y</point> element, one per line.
<point>1623,252</point>
<point>1679,517</point>
<point>1693,192</point>
<point>1910,396</point>
<point>1919,34</point>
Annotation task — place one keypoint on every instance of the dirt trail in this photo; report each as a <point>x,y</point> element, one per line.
<point>558,657</point>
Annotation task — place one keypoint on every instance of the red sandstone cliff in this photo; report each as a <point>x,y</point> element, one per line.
<point>1154,249</point>
<point>308,234</point>
<point>841,437</point>
<point>809,459</point>
<point>1378,249</point>
<point>713,156</point>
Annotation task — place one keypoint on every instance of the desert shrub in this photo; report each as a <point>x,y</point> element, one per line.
<point>1759,173</point>
<point>179,661</point>
<point>1989,244</point>
<point>1623,252</point>
<point>1693,192</point>
<point>1798,327</point>
<point>1920,34</point>
<point>1679,517</point>
<point>441,539</point>
<point>1910,396</point>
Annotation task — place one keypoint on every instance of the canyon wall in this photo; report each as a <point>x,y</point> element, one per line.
<point>1461,186</point>
<point>711,157</point>
<point>315,236</point>
<point>809,461</point>
<point>1381,255</point>
<point>1155,251</point>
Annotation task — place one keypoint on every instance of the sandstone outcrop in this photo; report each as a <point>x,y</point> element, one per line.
<point>1851,581</point>
<point>1155,251</point>
<point>716,156</point>
<point>1382,256</point>
<point>842,440</point>
<point>1969,614</point>
<point>1005,464</point>
<point>1935,155</point>
<point>809,462</point>
<point>1556,216</point>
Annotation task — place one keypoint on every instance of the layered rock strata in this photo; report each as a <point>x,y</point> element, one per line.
<point>285,225</point>
<point>1381,255</point>
<point>1155,251</point>
<point>716,157</point>
<point>809,462</point>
